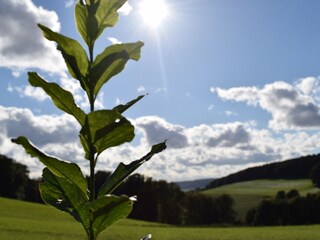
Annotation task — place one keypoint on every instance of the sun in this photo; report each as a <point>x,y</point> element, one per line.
<point>153,12</point>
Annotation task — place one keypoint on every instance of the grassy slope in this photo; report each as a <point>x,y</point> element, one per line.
<point>25,221</point>
<point>248,194</point>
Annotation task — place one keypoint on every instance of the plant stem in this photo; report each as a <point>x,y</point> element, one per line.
<point>92,152</point>
<point>91,52</point>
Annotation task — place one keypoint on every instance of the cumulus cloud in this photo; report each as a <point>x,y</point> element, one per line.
<point>292,106</point>
<point>70,84</point>
<point>157,130</point>
<point>193,152</point>
<point>125,9</point>
<point>57,135</point>
<point>307,85</point>
<point>29,91</point>
<point>229,136</point>
<point>247,94</point>
<point>41,130</point>
<point>218,149</point>
<point>22,45</point>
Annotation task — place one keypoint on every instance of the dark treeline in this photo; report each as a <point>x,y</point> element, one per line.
<point>158,201</point>
<point>286,209</point>
<point>15,182</point>
<point>165,202</point>
<point>299,168</point>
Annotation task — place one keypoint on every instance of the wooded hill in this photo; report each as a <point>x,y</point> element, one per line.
<point>158,200</point>
<point>298,168</point>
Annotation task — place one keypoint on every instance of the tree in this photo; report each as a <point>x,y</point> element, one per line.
<point>225,203</point>
<point>293,193</point>
<point>281,195</point>
<point>315,175</point>
<point>286,209</point>
<point>64,185</point>
<point>13,178</point>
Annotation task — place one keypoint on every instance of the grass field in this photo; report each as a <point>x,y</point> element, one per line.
<point>248,194</point>
<point>25,221</point>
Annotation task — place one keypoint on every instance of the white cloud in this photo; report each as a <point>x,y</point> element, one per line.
<point>161,89</point>
<point>196,152</point>
<point>114,40</point>
<point>229,136</point>
<point>22,45</point>
<point>219,149</point>
<point>29,91</point>
<point>41,129</point>
<point>16,73</point>
<point>292,106</point>
<point>74,87</point>
<point>230,113</point>
<point>157,129</point>
<point>247,94</point>
<point>125,9</point>
<point>48,132</point>
<point>307,85</point>
<point>141,89</point>
<point>69,3</point>
<point>68,83</point>
<point>118,101</point>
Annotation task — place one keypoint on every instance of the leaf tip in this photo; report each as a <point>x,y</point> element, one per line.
<point>141,43</point>
<point>40,26</point>
<point>17,140</point>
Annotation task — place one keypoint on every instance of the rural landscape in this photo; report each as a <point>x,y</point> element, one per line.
<point>197,143</point>
<point>286,206</point>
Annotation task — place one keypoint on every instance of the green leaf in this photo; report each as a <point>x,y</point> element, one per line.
<point>123,107</point>
<point>81,15</point>
<point>65,196</point>
<point>61,98</point>
<point>123,170</point>
<point>106,128</point>
<point>107,210</point>
<point>73,53</point>
<point>69,171</point>
<point>85,144</point>
<point>111,62</point>
<point>94,16</point>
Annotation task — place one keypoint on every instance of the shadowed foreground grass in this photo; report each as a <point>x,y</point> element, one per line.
<point>25,221</point>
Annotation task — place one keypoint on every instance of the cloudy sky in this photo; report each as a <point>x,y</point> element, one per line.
<point>230,84</point>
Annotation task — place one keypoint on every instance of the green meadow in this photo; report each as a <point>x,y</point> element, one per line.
<point>25,221</point>
<point>248,194</point>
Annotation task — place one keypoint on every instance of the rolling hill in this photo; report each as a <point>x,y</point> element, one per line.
<point>248,194</point>
<point>298,168</point>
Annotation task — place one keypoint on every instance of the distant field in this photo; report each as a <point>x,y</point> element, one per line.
<point>248,194</point>
<point>25,221</point>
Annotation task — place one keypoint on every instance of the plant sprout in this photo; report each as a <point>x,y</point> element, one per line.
<point>64,185</point>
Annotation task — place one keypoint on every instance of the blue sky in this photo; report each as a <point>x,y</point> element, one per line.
<point>231,84</point>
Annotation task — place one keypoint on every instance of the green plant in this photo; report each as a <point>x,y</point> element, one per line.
<point>64,185</point>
